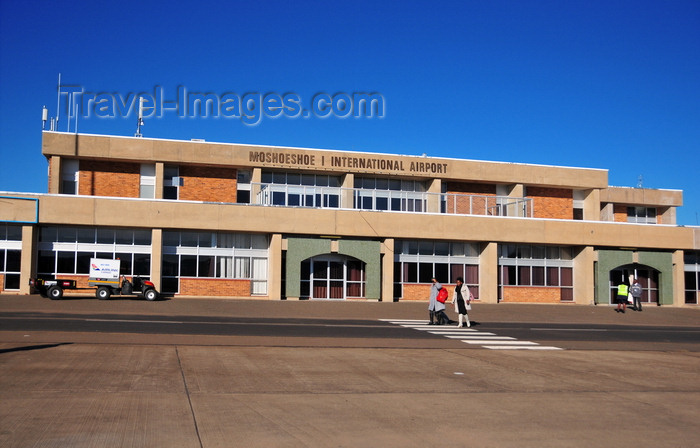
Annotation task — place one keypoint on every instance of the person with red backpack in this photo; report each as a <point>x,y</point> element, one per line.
<point>438,297</point>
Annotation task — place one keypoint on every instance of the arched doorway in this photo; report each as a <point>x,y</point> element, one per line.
<point>648,278</point>
<point>332,276</point>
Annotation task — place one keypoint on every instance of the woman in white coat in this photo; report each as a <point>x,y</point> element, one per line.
<point>461,300</point>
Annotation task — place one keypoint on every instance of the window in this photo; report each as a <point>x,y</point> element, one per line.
<point>420,261</point>
<point>147,186</point>
<point>10,255</point>
<point>389,194</point>
<point>641,215</point>
<point>215,255</point>
<point>69,176</point>
<point>67,250</point>
<point>692,277</point>
<point>243,187</point>
<point>299,190</point>
<point>171,182</point>
<point>538,266</point>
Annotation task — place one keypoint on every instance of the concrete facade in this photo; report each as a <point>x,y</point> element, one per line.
<point>566,227</point>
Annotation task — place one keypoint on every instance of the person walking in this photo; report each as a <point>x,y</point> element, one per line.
<point>462,302</point>
<point>440,315</point>
<point>622,292</point>
<point>636,291</point>
<point>434,289</point>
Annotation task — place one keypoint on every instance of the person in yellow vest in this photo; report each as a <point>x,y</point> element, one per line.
<point>622,292</point>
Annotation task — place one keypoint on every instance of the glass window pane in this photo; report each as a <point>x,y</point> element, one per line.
<point>524,275</point>
<point>66,262</point>
<point>425,273</point>
<point>442,270</point>
<point>105,236</point>
<point>456,270</point>
<point>206,266</point>
<point>83,262</point>
<point>125,263</point>
<point>189,239</point>
<point>142,264</point>
<point>538,252</point>
<point>259,241</point>
<point>188,266</point>
<point>538,275</point>
<point>207,239</point>
<point>472,274</point>
<point>425,248</point>
<point>142,237</point>
<point>14,260</point>
<point>124,236</point>
<point>524,251</point>
<point>171,239</point>
<point>567,278</point>
<point>67,235</point>
<point>410,273</point>
<point>552,276</point>
<point>442,248</point>
<point>14,233</point>
<point>224,267</point>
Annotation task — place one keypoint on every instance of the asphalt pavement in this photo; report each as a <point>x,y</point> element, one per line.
<point>99,387</point>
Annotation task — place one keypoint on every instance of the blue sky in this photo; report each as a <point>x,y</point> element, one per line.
<point>601,84</point>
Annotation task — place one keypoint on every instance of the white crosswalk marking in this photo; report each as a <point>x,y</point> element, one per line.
<point>471,336</point>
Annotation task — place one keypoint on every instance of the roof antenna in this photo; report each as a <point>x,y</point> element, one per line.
<point>640,181</point>
<point>44,117</point>
<point>139,121</point>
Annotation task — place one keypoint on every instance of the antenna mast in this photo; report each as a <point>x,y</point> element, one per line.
<point>139,121</point>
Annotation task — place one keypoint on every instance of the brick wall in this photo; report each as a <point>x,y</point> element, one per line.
<point>421,292</point>
<point>99,178</point>
<point>467,205</point>
<point>531,294</point>
<point>620,213</point>
<point>211,184</point>
<point>553,203</point>
<point>215,287</point>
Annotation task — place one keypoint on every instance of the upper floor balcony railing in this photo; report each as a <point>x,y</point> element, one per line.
<point>389,200</point>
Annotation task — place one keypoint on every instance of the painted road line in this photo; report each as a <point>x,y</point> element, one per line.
<point>471,336</point>
<point>520,347</point>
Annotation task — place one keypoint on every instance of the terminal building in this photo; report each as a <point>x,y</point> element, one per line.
<point>205,219</point>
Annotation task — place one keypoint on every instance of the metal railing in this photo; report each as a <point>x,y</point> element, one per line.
<point>388,200</point>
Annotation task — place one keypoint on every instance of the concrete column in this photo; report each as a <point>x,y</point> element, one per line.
<point>584,276</point>
<point>157,256</point>
<point>666,215</point>
<point>274,274</point>
<point>255,179</point>
<point>347,196</point>
<point>55,175</point>
<point>160,176</point>
<point>591,205</point>
<point>488,273</point>
<point>517,192</point>
<point>434,190</point>
<point>607,212</point>
<point>29,253</point>
<point>387,252</point>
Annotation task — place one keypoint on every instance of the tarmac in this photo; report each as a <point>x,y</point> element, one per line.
<point>76,389</point>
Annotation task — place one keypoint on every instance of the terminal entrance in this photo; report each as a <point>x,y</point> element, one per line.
<point>332,277</point>
<point>648,278</point>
